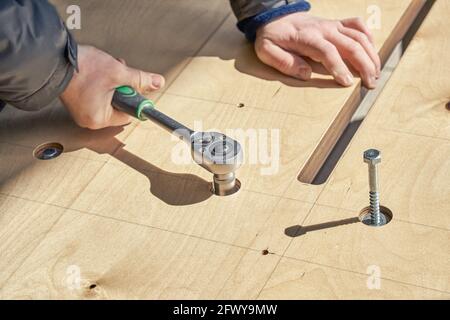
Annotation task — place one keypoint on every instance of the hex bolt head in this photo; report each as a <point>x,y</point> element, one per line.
<point>372,156</point>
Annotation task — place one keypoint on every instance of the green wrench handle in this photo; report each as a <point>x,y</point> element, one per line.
<point>128,100</point>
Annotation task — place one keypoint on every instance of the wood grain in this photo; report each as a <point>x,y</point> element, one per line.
<point>413,177</point>
<point>404,252</point>
<point>415,100</point>
<point>408,123</point>
<point>122,261</point>
<point>138,225</point>
<point>295,279</point>
<point>412,249</point>
<point>23,225</point>
<point>57,182</point>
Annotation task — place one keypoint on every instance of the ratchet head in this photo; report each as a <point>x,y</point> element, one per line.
<point>221,156</point>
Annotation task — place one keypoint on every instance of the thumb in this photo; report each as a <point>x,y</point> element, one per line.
<point>143,81</point>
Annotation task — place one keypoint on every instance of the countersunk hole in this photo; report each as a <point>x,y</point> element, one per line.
<point>92,286</point>
<point>241,105</point>
<point>237,187</point>
<point>386,217</point>
<point>447,106</point>
<point>48,151</point>
<point>265,252</point>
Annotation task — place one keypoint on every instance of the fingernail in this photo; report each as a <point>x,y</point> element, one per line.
<point>346,80</point>
<point>156,81</point>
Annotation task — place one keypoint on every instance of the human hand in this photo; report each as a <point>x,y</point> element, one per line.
<point>89,94</point>
<point>282,43</point>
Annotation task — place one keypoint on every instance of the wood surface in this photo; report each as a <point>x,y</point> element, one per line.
<point>136,225</point>
<point>408,123</point>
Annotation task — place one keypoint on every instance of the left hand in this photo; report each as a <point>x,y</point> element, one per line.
<point>283,42</point>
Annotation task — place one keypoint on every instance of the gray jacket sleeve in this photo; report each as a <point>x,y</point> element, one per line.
<point>37,54</point>
<point>244,9</point>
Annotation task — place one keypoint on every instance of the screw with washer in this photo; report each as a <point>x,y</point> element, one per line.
<point>373,157</point>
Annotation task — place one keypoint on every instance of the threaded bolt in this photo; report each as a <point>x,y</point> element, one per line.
<point>373,157</point>
<point>375,214</point>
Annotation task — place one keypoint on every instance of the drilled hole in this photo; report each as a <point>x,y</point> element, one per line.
<point>48,151</point>
<point>241,105</point>
<point>265,252</point>
<point>386,217</point>
<point>447,106</point>
<point>93,286</point>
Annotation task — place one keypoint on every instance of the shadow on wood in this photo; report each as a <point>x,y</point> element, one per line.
<point>168,38</point>
<point>173,188</point>
<point>55,125</point>
<point>297,230</point>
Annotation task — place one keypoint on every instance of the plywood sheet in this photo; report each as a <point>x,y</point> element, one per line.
<point>137,225</point>
<point>123,260</point>
<point>412,248</point>
<point>408,124</point>
<point>294,279</point>
<point>23,225</point>
<point>413,177</point>
<point>57,182</point>
<point>246,219</point>
<point>415,100</point>
<point>402,251</point>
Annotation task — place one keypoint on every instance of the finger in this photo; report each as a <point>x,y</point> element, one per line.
<point>282,60</point>
<point>326,53</point>
<point>358,24</point>
<point>362,39</point>
<point>142,81</point>
<point>354,53</point>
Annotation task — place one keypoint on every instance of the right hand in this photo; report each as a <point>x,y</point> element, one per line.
<point>89,94</point>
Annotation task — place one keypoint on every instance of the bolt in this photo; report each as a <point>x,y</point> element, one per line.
<point>204,140</point>
<point>221,149</point>
<point>373,157</point>
<point>50,153</point>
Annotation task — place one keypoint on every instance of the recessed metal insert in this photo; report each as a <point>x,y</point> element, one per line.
<point>224,185</point>
<point>48,151</point>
